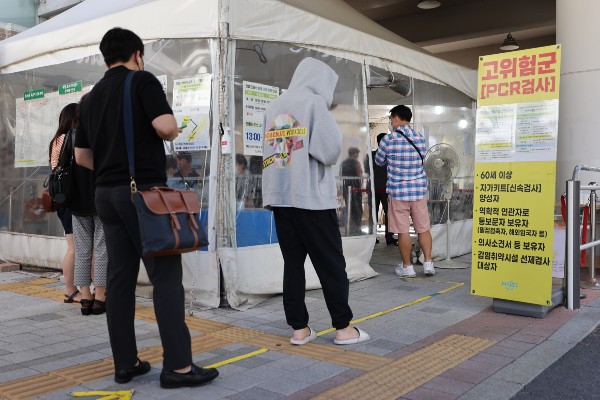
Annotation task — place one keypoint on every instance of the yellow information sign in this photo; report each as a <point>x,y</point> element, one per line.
<point>512,240</point>
<point>519,76</point>
<point>515,172</point>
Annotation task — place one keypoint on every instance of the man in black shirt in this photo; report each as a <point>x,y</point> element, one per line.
<point>352,167</point>
<point>100,145</point>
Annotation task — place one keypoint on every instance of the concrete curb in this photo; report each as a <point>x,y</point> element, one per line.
<point>9,267</point>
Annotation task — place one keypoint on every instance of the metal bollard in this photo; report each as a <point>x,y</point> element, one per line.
<point>10,208</point>
<point>593,201</point>
<point>348,209</point>
<point>572,247</point>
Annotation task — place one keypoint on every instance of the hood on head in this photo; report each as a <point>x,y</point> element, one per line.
<point>316,76</point>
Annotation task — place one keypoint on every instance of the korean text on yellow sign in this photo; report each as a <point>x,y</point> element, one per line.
<point>515,172</point>
<point>512,231</point>
<point>519,76</point>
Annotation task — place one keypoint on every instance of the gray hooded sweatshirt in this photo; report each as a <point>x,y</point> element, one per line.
<point>302,142</point>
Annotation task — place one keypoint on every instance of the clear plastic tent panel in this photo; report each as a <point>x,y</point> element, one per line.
<point>445,115</point>
<point>21,187</point>
<point>262,71</point>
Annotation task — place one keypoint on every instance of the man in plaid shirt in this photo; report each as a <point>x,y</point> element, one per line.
<point>406,188</point>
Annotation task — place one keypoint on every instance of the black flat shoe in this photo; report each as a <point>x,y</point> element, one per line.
<point>197,376</point>
<point>394,242</point>
<point>86,306</point>
<point>125,375</point>
<point>99,307</point>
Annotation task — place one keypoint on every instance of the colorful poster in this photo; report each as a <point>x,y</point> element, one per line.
<point>37,121</point>
<point>256,98</point>
<point>515,172</point>
<point>193,122</point>
<point>191,107</point>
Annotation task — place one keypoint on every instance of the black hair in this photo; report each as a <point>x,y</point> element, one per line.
<point>118,45</point>
<point>184,155</point>
<point>380,136</point>
<point>66,120</point>
<point>240,159</point>
<point>401,112</point>
<point>256,165</point>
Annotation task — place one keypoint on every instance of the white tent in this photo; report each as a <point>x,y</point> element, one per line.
<point>330,26</point>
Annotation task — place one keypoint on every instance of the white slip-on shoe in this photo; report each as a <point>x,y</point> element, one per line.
<point>428,268</point>
<point>408,272</point>
<point>312,336</point>
<point>362,337</point>
<point>398,269</point>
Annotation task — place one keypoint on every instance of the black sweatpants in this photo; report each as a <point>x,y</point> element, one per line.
<point>316,233</point>
<point>123,243</point>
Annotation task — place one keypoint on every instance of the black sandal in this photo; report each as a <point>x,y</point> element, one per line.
<point>70,298</point>
<point>99,307</point>
<point>86,306</point>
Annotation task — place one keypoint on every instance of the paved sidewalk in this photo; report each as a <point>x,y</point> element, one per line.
<point>431,339</point>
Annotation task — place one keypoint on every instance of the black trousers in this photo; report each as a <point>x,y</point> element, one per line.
<point>354,212</point>
<point>316,233</point>
<point>383,199</point>
<point>123,243</point>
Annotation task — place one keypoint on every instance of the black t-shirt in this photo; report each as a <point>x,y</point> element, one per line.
<point>380,176</point>
<point>101,129</point>
<point>349,167</point>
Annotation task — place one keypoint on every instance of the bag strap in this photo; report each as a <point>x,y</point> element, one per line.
<point>128,122</point>
<point>412,143</point>
<point>71,145</point>
<point>63,147</point>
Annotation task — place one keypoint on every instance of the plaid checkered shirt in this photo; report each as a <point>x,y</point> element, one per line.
<point>406,177</point>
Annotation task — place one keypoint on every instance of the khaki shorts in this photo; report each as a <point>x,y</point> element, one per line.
<point>400,211</point>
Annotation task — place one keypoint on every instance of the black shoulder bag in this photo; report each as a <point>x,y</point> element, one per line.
<point>60,182</point>
<point>169,219</point>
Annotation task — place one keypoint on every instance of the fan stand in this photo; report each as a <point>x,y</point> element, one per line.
<point>448,263</point>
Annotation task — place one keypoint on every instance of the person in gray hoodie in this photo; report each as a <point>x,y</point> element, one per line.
<point>302,144</point>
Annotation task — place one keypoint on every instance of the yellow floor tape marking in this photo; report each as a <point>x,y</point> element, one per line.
<point>238,358</point>
<point>116,395</point>
<point>410,372</point>
<point>412,303</point>
<point>224,333</point>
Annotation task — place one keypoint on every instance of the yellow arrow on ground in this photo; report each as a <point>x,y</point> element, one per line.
<point>115,395</point>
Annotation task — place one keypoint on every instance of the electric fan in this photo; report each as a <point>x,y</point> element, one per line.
<point>442,164</point>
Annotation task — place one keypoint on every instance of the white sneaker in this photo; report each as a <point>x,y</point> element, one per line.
<point>407,272</point>
<point>428,268</point>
